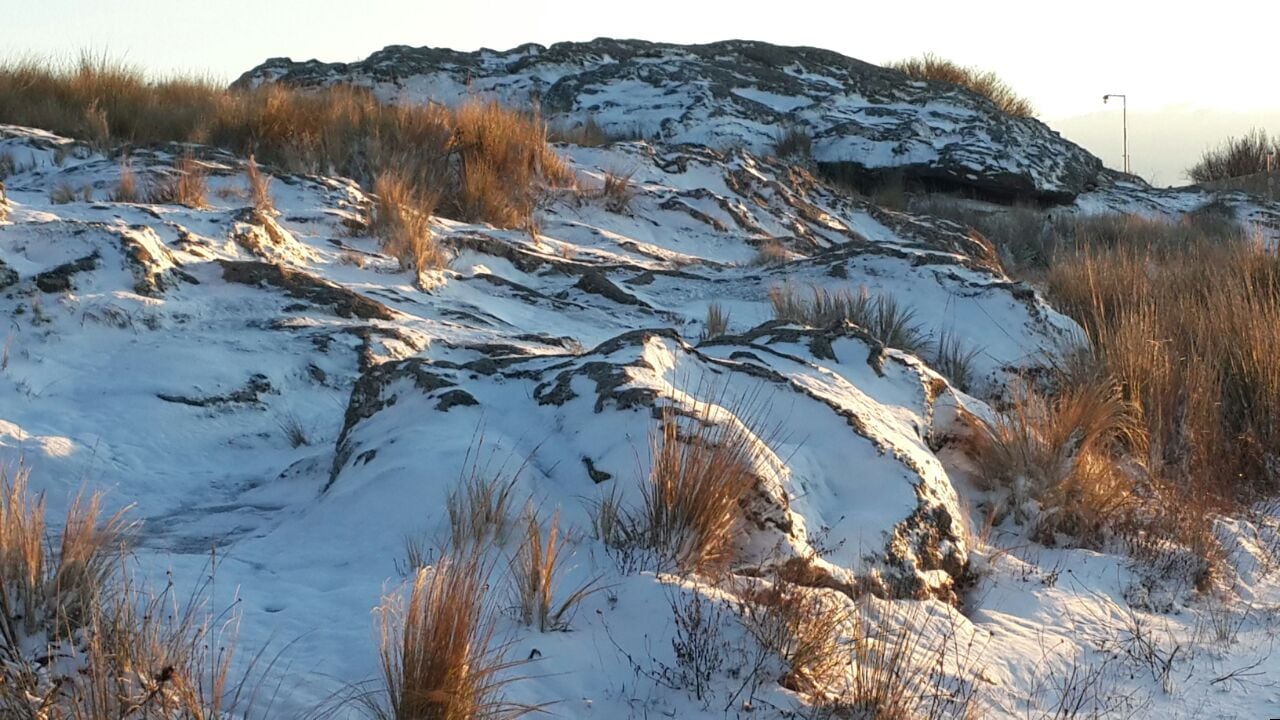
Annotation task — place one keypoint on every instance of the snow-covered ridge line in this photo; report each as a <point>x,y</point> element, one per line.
<point>867,122</point>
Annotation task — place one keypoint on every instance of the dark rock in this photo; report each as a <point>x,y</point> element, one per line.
<point>303,286</point>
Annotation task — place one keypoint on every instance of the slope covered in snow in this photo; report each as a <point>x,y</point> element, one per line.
<point>274,386</point>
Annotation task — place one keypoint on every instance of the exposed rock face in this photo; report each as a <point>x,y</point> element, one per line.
<point>867,123</point>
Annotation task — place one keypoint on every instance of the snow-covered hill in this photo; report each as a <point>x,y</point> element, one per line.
<point>869,122</point>
<point>274,386</point>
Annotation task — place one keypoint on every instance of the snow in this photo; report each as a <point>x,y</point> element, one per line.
<point>308,539</point>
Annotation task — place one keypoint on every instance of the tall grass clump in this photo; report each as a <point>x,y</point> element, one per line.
<point>1238,156</point>
<point>481,509</point>
<point>259,187</point>
<point>986,83</point>
<point>1057,463</point>
<point>880,316</point>
<point>402,220</point>
<point>487,163</point>
<point>1189,331</point>
<point>439,656</point>
<point>184,185</point>
<point>699,477</point>
<point>702,469</point>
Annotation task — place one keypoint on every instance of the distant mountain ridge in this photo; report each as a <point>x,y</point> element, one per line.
<point>867,123</point>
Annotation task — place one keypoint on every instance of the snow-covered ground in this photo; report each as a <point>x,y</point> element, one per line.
<point>161,354</point>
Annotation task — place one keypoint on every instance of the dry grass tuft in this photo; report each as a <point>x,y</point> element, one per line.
<point>185,186</point>
<point>439,657</point>
<point>986,83</point>
<point>951,356</point>
<point>792,141</point>
<point>485,163</point>
<point>127,186</point>
<point>62,193</point>
<point>1057,461</point>
<point>259,187</point>
<point>402,219</point>
<point>480,509</point>
<point>771,252</point>
<point>1189,331</point>
<point>699,477</point>
<point>617,191</point>
<point>717,322</point>
<point>880,316</point>
<point>535,568</point>
<point>810,630</point>
<point>126,654</point>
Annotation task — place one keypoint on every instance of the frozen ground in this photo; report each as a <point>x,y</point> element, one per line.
<point>159,354</point>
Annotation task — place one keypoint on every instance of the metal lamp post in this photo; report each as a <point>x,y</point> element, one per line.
<point>1124,105</point>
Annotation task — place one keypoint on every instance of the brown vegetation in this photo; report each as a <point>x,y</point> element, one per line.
<point>439,657</point>
<point>486,163</point>
<point>986,83</point>
<point>1238,156</point>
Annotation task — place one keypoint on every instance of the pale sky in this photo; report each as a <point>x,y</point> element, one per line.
<point>1173,62</point>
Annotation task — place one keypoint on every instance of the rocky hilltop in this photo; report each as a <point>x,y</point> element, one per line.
<point>867,123</point>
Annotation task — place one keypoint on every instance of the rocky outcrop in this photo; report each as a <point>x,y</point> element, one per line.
<point>867,123</point>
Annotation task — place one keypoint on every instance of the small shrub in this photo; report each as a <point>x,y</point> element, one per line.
<point>792,141</point>
<point>259,187</point>
<point>698,643</point>
<point>439,659</point>
<point>717,322</point>
<point>1238,156</point>
<point>986,83</point>
<point>880,316</point>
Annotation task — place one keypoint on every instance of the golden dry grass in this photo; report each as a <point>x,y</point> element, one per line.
<point>536,569</point>
<point>439,657</point>
<point>137,655</point>
<point>810,630</point>
<point>259,187</point>
<point>1189,331</point>
<point>699,477</point>
<point>481,509</point>
<point>184,185</point>
<point>1057,461</point>
<point>985,83</point>
<point>127,185</point>
<point>716,322</point>
<point>402,220</point>
<point>485,162</point>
